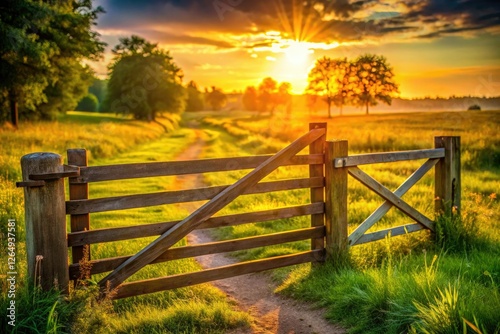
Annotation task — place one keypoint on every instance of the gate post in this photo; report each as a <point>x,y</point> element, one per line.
<point>336,202</point>
<point>45,212</point>
<point>448,184</point>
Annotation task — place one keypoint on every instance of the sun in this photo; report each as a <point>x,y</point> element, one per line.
<point>297,53</point>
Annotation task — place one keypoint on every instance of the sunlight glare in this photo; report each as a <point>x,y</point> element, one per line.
<point>297,53</point>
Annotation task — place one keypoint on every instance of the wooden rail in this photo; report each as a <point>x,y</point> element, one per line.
<point>329,167</point>
<point>170,168</point>
<point>208,275</point>
<point>104,265</point>
<point>181,196</point>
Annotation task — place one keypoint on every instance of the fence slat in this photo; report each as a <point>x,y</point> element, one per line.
<point>173,235</point>
<point>81,222</point>
<point>375,158</point>
<point>178,281</point>
<point>317,194</point>
<point>181,196</point>
<point>169,168</point>
<point>395,231</point>
<point>386,206</point>
<point>149,230</point>
<point>104,265</point>
<point>378,188</point>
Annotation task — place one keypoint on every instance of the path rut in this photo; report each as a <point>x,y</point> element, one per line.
<point>253,293</point>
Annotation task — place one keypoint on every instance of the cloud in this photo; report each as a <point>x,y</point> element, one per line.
<point>227,24</point>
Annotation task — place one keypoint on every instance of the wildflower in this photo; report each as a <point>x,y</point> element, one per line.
<point>492,196</point>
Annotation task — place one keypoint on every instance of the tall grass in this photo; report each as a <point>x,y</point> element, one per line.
<point>110,140</point>
<point>445,282</point>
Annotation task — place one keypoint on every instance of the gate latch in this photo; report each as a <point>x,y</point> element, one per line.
<point>38,180</point>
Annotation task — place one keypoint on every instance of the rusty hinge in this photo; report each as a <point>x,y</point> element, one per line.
<point>38,180</point>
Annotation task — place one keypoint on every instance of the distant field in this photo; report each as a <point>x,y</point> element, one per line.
<point>393,283</point>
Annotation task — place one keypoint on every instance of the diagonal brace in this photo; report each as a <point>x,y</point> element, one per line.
<point>378,188</point>
<point>387,205</point>
<point>180,230</point>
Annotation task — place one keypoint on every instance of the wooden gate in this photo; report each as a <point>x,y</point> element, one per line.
<point>329,164</point>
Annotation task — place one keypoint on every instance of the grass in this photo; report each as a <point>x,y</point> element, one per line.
<point>201,309</point>
<point>445,282</point>
<point>442,283</point>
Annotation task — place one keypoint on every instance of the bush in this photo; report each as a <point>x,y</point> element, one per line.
<point>88,103</point>
<point>474,107</point>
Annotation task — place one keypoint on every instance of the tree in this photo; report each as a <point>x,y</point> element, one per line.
<point>283,96</point>
<point>266,97</point>
<point>88,103</point>
<point>215,98</point>
<point>144,80</point>
<point>194,97</point>
<point>330,79</point>
<point>374,81</point>
<point>250,99</point>
<point>42,46</point>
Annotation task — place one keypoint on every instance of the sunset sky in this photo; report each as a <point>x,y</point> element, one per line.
<point>436,47</point>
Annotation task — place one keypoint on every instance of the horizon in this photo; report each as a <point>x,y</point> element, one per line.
<point>235,44</point>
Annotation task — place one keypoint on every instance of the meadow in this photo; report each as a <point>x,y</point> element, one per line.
<point>446,282</point>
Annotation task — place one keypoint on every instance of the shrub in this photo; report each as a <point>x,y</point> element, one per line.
<point>88,103</point>
<point>474,107</point>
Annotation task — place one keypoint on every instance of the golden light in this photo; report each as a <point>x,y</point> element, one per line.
<point>297,53</point>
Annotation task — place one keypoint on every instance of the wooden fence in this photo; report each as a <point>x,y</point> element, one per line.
<point>329,165</point>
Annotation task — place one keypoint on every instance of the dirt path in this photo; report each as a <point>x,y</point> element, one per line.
<point>253,293</point>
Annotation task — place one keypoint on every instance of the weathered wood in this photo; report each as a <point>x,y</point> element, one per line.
<point>181,196</point>
<point>153,169</point>
<point>336,201</point>
<point>395,231</point>
<point>81,222</point>
<point>173,235</point>
<point>317,194</point>
<point>149,230</point>
<point>386,206</point>
<point>182,280</point>
<point>448,178</point>
<point>46,223</point>
<point>375,158</point>
<point>104,265</point>
<point>385,193</point>
<point>66,171</point>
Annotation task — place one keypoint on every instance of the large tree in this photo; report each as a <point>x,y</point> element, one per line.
<point>330,79</point>
<point>144,80</point>
<point>42,46</point>
<point>374,81</point>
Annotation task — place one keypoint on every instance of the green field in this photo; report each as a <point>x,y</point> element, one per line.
<point>444,283</point>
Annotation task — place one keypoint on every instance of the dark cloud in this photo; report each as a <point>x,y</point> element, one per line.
<point>472,15</point>
<point>312,20</point>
